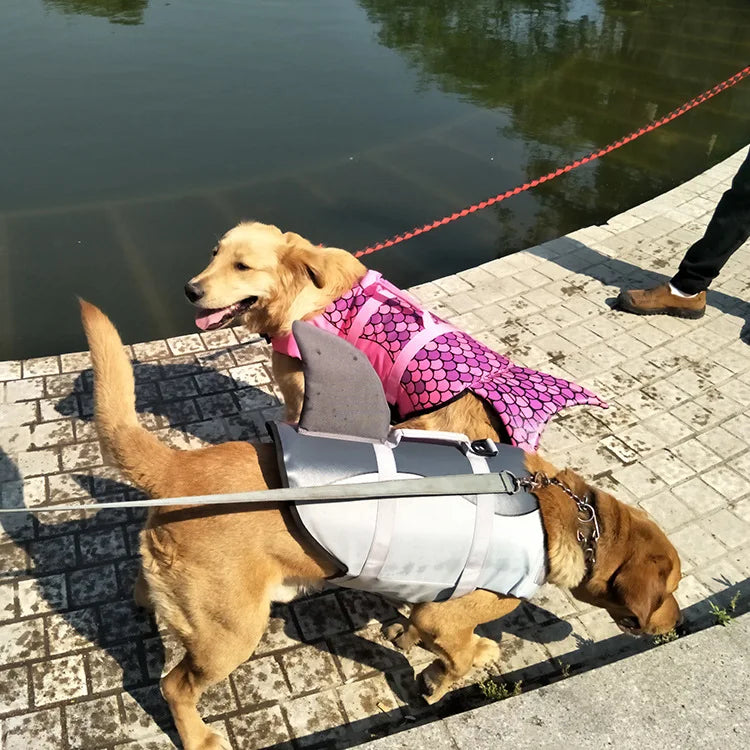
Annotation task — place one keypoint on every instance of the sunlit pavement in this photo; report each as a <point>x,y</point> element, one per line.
<point>79,665</point>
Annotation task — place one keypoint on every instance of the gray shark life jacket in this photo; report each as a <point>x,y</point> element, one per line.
<point>415,549</point>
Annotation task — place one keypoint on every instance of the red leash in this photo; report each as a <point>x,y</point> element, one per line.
<point>673,115</point>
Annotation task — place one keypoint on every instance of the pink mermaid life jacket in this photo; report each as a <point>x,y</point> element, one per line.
<point>424,362</point>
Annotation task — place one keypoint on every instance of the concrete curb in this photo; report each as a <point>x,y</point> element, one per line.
<point>691,693</point>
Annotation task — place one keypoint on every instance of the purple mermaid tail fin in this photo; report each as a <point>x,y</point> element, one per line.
<point>526,399</point>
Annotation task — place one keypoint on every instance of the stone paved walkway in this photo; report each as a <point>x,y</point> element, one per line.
<point>79,666</point>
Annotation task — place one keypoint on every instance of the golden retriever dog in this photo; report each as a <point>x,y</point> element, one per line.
<point>266,279</point>
<point>253,554</point>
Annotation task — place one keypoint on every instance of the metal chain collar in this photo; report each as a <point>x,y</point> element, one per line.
<point>587,517</point>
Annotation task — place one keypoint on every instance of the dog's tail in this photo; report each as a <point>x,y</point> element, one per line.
<point>138,453</point>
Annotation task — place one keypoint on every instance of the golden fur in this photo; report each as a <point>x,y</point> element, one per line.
<point>296,280</point>
<point>253,554</point>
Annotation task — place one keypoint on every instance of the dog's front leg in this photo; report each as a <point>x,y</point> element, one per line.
<point>287,372</point>
<point>447,629</point>
<point>141,594</point>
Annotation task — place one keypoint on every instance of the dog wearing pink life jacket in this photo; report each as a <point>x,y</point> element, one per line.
<point>267,279</point>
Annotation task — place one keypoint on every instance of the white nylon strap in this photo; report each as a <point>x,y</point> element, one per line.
<point>386,516</point>
<point>480,544</point>
<point>427,436</point>
<point>362,318</point>
<point>406,355</point>
<point>371,306</point>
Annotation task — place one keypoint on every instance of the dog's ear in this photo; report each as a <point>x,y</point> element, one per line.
<point>307,257</point>
<point>640,585</point>
<point>329,268</point>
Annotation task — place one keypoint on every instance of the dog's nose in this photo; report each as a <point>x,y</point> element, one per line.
<point>682,626</point>
<point>193,291</point>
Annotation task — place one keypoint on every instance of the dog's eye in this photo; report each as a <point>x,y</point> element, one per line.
<point>241,267</point>
<point>214,251</point>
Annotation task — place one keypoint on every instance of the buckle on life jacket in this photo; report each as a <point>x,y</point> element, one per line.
<point>484,447</point>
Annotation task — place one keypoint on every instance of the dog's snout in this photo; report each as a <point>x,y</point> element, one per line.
<point>193,291</point>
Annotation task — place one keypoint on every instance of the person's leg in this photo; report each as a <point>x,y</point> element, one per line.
<point>728,229</point>
<point>685,295</point>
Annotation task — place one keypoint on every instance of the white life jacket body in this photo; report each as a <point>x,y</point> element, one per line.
<point>417,549</point>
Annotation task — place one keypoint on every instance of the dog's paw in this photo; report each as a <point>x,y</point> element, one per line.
<point>486,651</point>
<point>402,634</point>
<point>394,631</point>
<point>434,682</point>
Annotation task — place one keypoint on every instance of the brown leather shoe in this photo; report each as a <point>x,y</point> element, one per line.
<point>660,301</point>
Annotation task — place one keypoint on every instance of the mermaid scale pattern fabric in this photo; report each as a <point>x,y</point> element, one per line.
<point>454,363</point>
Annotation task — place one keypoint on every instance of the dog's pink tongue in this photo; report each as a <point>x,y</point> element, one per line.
<point>208,319</point>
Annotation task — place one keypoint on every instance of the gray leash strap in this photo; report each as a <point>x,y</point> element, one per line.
<point>504,483</point>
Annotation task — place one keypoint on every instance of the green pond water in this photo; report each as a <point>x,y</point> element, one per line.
<point>134,132</point>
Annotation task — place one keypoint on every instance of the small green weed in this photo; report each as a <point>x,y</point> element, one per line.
<point>723,616</point>
<point>499,691</point>
<point>666,637</point>
<point>564,667</point>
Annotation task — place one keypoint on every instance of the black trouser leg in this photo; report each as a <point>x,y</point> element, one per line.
<point>728,229</point>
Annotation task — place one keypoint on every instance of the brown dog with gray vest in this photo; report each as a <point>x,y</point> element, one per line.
<point>255,555</point>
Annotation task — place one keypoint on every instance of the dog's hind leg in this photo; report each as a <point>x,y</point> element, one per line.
<point>213,651</point>
<point>447,629</point>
